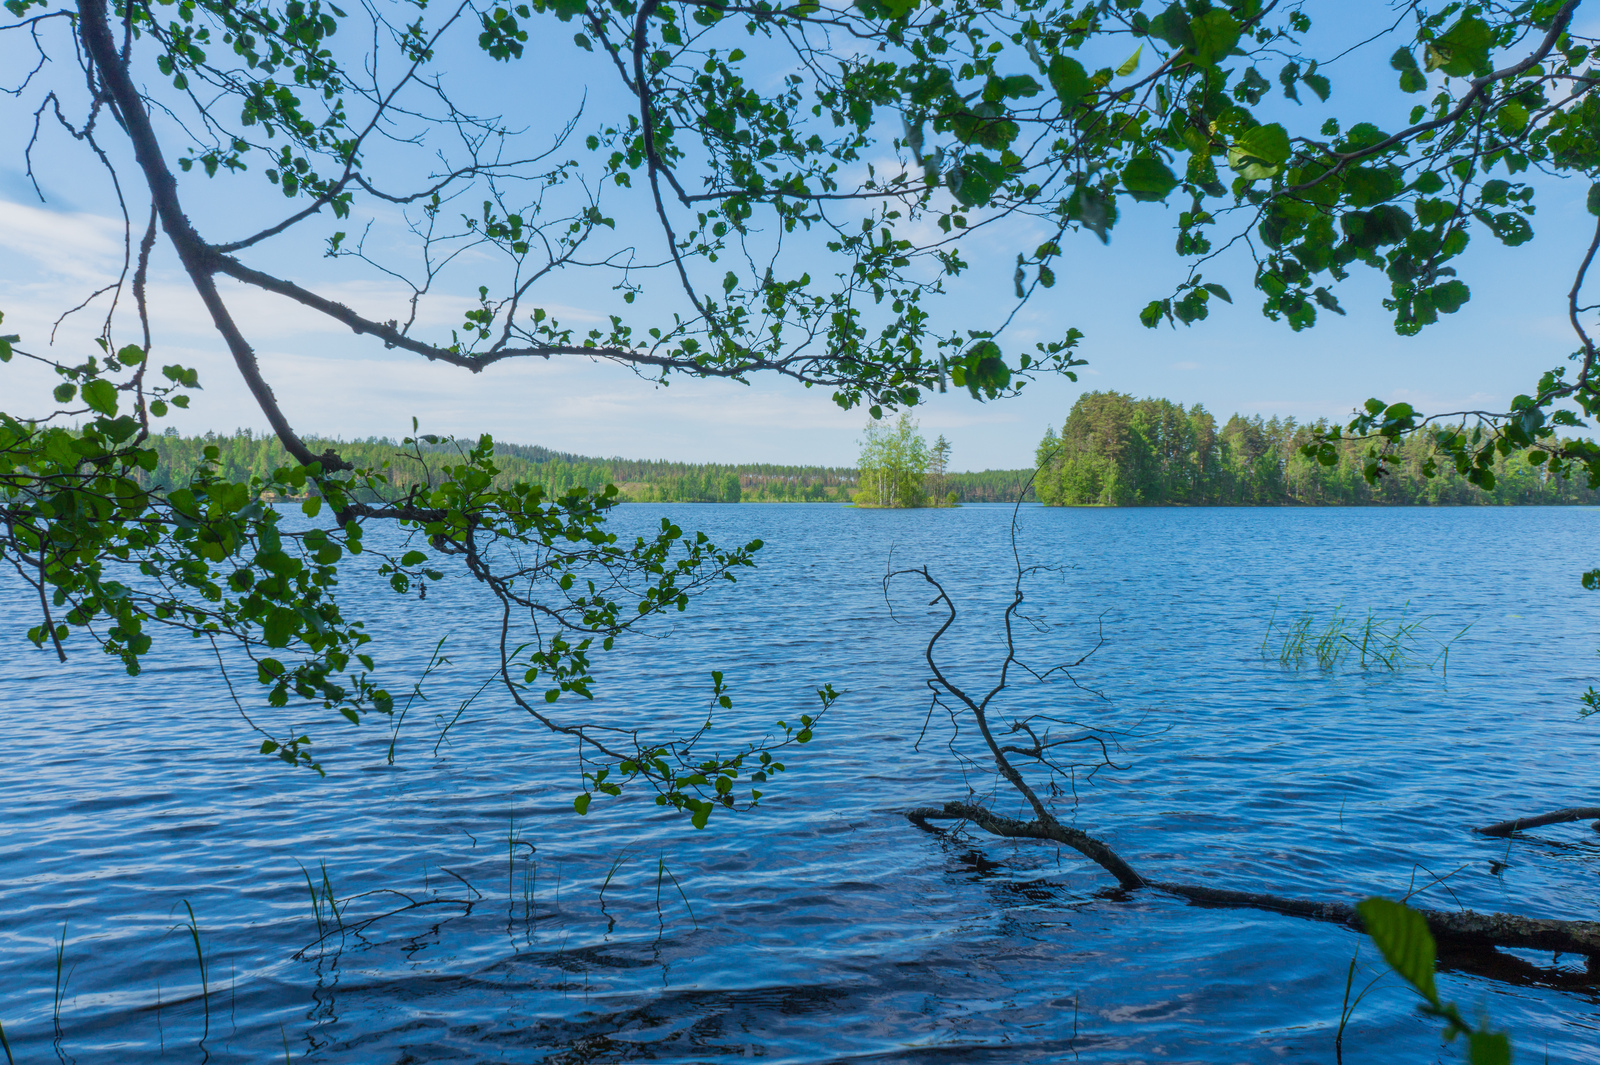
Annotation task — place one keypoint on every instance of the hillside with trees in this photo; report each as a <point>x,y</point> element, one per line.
<point>1115,450</point>
<point>245,454</point>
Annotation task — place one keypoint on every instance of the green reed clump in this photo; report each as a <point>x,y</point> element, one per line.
<point>1374,641</point>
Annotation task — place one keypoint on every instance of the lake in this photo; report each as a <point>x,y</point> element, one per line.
<point>823,926</point>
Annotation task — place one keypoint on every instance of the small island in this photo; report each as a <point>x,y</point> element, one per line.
<point>899,470</point>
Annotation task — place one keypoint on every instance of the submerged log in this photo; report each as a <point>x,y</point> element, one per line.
<point>1554,817</point>
<point>1055,832</point>
<point>1464,927</point>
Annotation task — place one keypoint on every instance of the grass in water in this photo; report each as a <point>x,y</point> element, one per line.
<point>663,873</point>
<point>61,981</point>
<point>1368,643</point>
<point>200,959</point>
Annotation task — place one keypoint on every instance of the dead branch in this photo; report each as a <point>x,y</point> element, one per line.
<point>1463,928</point>
<point>1078,840</point>
<point>1554,817</point>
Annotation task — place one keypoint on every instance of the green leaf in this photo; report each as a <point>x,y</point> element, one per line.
<point>1130,64</point>
<point>1215,35</point>
<point>1461,49</point>
<point>1401,933</point>
<point>1511,119</point>
<point>581,803</point>
<point>1428,183</point>
<point>65,392</point>
<point>1148,178</point>
<point>1450,296</point>
<point>1594,199</point>
<point>1366,186</point>
<point>1258,153</point>
<point>1269,143</point>
<point>1069,80</point>
<point>101,395</point>
<point>1173,26</point>
<point>1488,1048</point>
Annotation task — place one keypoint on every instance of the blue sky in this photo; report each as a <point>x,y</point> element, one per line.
<point>330,382</point>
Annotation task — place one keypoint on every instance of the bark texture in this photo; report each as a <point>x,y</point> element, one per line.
<point>1554,817</point>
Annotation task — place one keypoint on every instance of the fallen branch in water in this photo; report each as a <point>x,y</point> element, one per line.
<point>1554,817</point>
<point>1044,750</point>
<point>1054,831</point>
<point>1464,927</point>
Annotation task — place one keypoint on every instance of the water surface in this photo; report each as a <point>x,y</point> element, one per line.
<point>823,927</point>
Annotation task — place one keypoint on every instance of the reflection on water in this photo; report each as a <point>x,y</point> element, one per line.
<point>823,927</point>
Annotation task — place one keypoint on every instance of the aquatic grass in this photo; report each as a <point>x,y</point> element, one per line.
<point>322,899</point>
<point>61,982</point>
<point>329,897</point>
<point>616,864</point>
<point>512,843</point>
<point>435,660</point>
<point>200,959</point>
<point>622,856</point>
<point>6,1046</point>
<point>1374,642</point>
<point>316,903</point>
<point>468,701</point>
<point>1348,1009</point>
<point>663,871</point>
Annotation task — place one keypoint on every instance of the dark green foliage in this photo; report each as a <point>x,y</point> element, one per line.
<point>1402,935</point>
<point>1115,450</point>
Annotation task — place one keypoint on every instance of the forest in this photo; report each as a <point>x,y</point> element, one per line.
<point>245,454</point>
<point>1115,450</point>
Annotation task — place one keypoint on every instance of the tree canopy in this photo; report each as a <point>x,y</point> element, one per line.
<point>742,188</point>
<point>1114,450</point>
<point>893,468</point>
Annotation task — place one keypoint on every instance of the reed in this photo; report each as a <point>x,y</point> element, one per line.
<point>6,1046</point>
<point>513,841</point>
<point>316,903</point>
<point>468,701</point>
<point>435,660</point>
<point>329,897</point>
<point>663,871</point>
<point>1373,642</point>
<point>61,981</point>
<point>200,959</point>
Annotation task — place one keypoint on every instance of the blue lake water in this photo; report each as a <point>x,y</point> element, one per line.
<point>823,927</point>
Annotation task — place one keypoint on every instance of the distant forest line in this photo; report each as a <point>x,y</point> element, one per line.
<point>1114,450</point>
<point>244,454</point>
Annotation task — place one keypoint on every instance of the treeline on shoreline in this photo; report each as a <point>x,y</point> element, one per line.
<point>244,454</point>
<point>1115,450</point>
